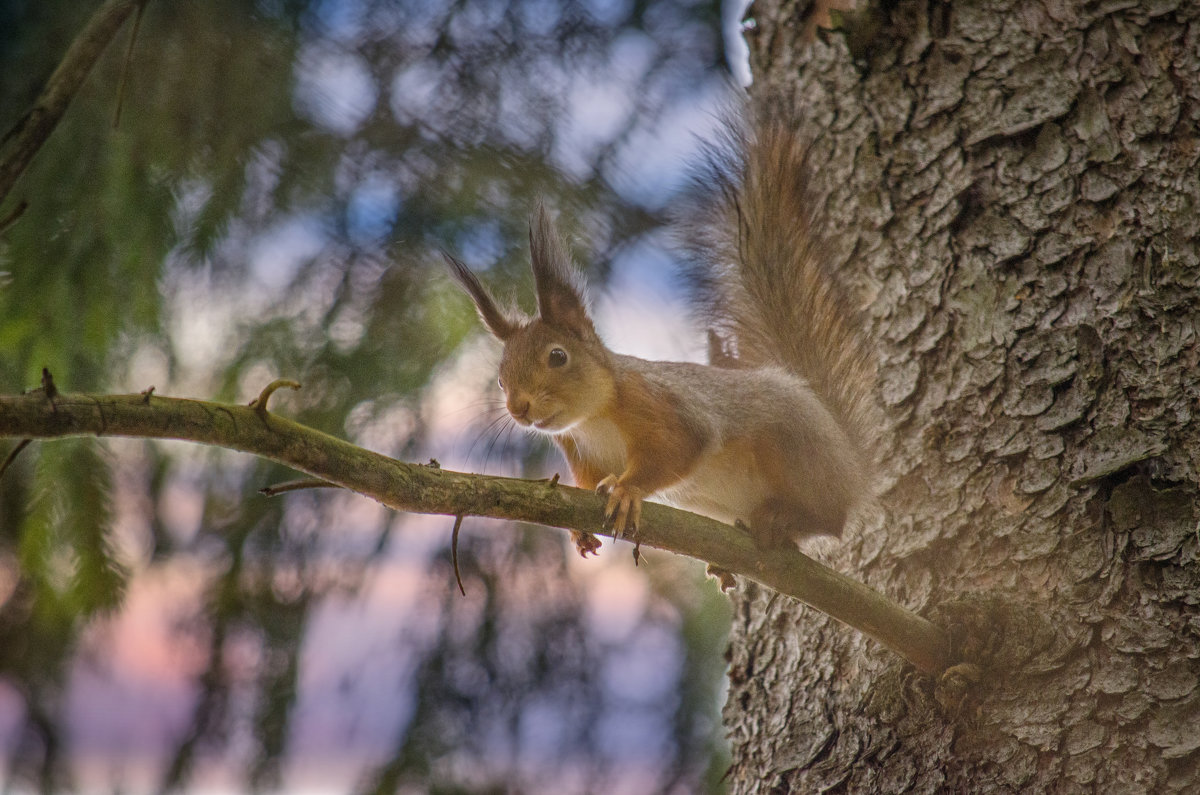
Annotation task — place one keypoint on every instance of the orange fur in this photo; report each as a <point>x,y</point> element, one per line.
<point>777,433</point>
<point>586,473</point>
<point>660,447</point>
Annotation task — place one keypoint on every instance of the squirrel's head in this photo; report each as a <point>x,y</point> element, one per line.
<point>555,371</point>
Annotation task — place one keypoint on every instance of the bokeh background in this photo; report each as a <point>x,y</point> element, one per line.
<point>271,204</point>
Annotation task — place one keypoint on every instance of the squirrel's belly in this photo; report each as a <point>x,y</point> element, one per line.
<point>726,486</point>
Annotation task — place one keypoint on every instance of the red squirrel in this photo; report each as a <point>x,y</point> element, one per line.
<point>774,434</point>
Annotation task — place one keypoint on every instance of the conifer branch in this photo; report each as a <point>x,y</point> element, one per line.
<point>24,140</point>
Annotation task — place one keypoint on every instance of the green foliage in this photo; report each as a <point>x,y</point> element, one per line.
<point>173,240</point>
<point>65,547</point>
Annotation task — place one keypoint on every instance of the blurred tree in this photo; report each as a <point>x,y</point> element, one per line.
<point>272,202</point>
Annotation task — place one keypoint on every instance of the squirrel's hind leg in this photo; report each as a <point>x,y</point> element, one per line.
<point>585,543</point>
<point>780,522</point>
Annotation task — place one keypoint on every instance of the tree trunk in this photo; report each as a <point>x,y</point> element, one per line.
<point>1020,183</point>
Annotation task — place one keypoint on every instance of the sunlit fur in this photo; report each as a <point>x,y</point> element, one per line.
<point>776,436</point>
<point>554,399</point>
<point>765,271</point>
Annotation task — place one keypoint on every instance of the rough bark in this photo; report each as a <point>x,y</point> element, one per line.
<point>1021,186</point>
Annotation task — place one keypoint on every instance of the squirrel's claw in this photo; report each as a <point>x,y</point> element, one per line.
<point>623,512</point>
<point>724,577</point>
<point>585,543</point>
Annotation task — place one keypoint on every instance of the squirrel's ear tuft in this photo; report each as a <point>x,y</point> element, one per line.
<point>503,324</point>
<point>559,285</point>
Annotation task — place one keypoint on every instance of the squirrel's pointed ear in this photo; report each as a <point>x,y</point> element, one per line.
<point>559,287</point>
<point>501,323</point>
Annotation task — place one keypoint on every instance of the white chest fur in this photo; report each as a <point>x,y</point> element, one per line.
<point>723,486</point>
<point>600,442</point>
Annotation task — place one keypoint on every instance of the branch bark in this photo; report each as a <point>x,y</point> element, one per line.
<point>34,128</point>
<point>429,489</point>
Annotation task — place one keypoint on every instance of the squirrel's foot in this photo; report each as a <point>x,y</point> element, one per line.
<point>585,543</point>
<point>723,576</point>
<point>623,511</point>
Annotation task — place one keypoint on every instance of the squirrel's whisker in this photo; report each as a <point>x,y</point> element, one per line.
<point>777,430</point>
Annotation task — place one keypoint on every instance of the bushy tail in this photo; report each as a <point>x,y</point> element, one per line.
<point>762,271</point>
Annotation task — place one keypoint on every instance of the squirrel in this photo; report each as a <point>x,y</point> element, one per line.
<point>774,434</point>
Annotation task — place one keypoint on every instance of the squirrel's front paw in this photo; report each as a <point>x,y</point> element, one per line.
<point>623,511</point>
<point>585,542</point>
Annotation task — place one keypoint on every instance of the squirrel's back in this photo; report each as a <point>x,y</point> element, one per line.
<point>777,432</point>
<point>763,274</point>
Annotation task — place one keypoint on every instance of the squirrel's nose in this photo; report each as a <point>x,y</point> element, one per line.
<point>518,407</point>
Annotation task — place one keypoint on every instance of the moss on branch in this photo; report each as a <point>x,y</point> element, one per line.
<point>430,489</point>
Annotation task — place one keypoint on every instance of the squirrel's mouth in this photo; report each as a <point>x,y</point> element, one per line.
<point>545,422</point>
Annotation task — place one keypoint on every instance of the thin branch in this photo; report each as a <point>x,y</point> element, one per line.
<point>14,215</point>
<point>16,451</point>
<point>454,552</point>
<point>426,489</point>
<point>124,81</point>
<point>296,485</point>
<point>34,128</point>
<point>260,402</point>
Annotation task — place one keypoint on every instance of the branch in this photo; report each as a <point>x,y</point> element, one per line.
<point>34,128</point>
<point>430,489</point>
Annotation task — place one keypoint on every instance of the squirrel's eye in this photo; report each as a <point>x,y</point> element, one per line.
<point>500,382</point>
<point>558,357</point>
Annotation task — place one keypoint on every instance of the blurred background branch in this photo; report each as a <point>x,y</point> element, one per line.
<point>23,141</point>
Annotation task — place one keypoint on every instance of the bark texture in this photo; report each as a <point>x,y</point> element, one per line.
<point>1018,187</point>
